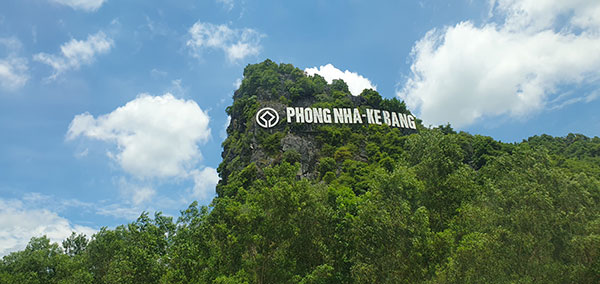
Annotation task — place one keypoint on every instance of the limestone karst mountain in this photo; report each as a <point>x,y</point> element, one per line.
<point>268,84</point>
<point>353,203</point>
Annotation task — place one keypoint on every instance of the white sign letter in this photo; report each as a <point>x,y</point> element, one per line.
<point>377,115</point>
<point>338,116</point>
<point>386,117</point>
<point>290,113</point>
<point>299,115</point>
<point>308,115</point>
<point>327,115</point>
<point>370,119</point>
<point>411,121</point>
<point>357,118</point>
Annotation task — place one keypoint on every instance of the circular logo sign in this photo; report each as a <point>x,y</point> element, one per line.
<point>267,117</point>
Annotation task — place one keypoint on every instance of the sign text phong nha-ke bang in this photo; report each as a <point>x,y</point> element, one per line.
<point>349,116</point>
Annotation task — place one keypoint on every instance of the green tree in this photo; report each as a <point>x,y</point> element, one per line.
<point>391,237</point>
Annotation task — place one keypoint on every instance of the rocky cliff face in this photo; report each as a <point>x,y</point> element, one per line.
<point>278,86</point>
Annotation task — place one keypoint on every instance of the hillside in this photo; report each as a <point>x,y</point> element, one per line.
<point>354,203</point>
<point>277,86</point>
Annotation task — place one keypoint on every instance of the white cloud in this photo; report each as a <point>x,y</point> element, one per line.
<point>205,181</point>
<point>18,224</point>
<point>85,5</point>
<point>462,73</point>
<point>157,28</point>
<point>237,83</point>
<point>223,132</point>
<point>82,153</point>
<point>13,69</point>
<point>535,15</point>
<point>356,83</point>
<point>123,211</point>
<point>236,43</point>
<point>136,194</point>
<point>38,200</point>
<point>496,73</point>
<point>228,4</point>
<point>11,44</point>
<point>156,74</point>
<point>156,136</point>
<point>177,88</point>
<point>13,73</point>
<point>76,53</point>
<point>142,194</point>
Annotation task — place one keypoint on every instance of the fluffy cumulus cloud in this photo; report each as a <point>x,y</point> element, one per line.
<point>515,64</point>
<point>205,181</point>
<point>356,83</point>
<point>156,136</point>
<point>236,43</point>
<point>19,223</point>
<point>84,5</point>
<point>75,53</point>
<point>13,69</point>
<point>535,15</point>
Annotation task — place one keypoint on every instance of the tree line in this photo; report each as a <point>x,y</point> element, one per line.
<point>383,205</point>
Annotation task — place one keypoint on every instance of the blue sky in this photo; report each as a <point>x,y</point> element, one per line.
<point>109,108</point>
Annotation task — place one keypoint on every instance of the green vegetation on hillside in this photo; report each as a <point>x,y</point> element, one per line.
<point>379,205</point>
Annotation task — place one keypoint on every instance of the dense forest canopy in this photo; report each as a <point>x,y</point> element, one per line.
<point>354,204</point>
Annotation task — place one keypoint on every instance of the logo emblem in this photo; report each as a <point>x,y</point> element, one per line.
<point>267,117</point>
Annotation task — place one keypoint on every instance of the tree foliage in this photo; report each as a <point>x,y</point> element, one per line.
<point>385,206</point>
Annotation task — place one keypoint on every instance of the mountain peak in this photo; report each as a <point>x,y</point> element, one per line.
<point>279,113</point>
